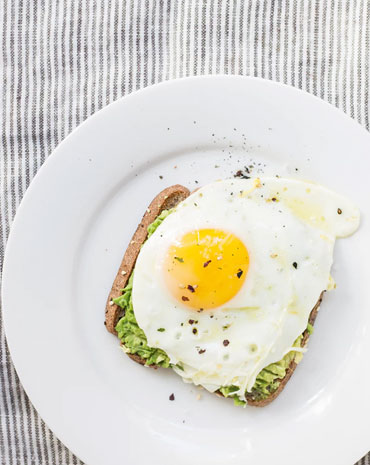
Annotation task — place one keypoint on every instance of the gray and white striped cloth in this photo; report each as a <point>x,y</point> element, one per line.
<point>62,60</point>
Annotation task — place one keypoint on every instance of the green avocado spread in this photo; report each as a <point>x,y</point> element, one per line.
<point>134,342</point>
<point>269,378</point>
<point>129,332</point>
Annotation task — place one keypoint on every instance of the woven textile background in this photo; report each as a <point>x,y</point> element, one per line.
<point>63,60</point>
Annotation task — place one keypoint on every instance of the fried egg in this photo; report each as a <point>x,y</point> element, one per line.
<point>226,283</point>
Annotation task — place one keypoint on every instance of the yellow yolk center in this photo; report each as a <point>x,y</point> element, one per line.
<point>206,268</point>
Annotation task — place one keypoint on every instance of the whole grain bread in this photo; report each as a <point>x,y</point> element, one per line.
<point>165,200</point>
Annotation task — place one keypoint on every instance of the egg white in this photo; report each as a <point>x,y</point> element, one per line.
<point>281,222</point>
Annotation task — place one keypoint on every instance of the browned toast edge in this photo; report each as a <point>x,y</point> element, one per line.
<point>166,199</point>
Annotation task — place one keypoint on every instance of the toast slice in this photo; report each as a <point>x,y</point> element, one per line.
<point>165,200</point>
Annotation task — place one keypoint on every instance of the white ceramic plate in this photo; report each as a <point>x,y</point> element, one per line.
<point>74,225</point>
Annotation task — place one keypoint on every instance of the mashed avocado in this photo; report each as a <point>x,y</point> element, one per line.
<point>129,332</point>
<point>269,378</point>
<point>135,342</point>
<point>132,336</point>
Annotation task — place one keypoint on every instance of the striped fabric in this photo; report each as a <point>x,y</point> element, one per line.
<point>63,60</point>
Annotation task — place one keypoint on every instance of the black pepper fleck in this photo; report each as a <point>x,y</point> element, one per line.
<point>226,342</point>
<point>339,211</point>
<point>295,264</point>
<point>184,298</point>
<point>172,396</point>
<point>195,330</point>
<point>206,263</point>
<point>241,174</point>
<point>191,288</point>
<point>239,273</point>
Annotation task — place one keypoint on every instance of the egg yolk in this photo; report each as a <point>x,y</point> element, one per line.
<point>206,268</point>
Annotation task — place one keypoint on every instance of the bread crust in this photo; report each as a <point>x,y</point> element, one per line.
<point>166,199</point>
